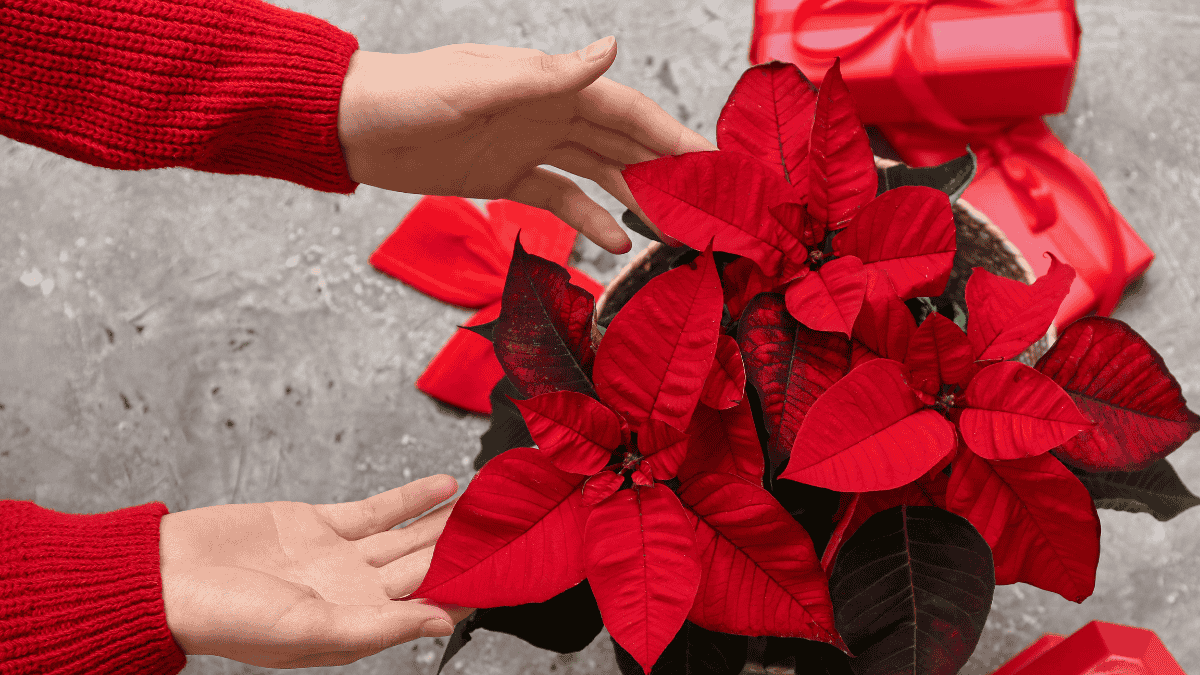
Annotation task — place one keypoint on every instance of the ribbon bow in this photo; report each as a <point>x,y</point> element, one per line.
<point>911,19</point>
<point>447,248</point>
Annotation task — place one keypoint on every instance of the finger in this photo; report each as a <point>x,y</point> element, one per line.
<point>608,144</point>
<point>607,175</point>
<point>503,77</point>
<point>632,113</point>
<point>401,577</point>
<point>385,547</point>
<point>382,512</point>
<point>562,197</point>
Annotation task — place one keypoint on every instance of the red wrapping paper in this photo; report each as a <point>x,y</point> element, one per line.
<point>1099,648</point>
<point>447,248</point>
<point>930,60</point>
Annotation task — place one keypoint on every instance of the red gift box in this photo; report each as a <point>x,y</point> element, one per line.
<point>924,60</point>
<point>1099,648</point>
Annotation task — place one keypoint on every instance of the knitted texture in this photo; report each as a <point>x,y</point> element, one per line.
<point>83,594</point>
<point>226,86</point>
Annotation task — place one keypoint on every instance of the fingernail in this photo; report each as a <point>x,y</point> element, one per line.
<point>598,49</point>
<point>436,628</point>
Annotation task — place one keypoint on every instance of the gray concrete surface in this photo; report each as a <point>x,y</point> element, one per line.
<point>202,339</point>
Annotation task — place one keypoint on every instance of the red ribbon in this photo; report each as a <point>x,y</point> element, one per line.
<point>448,249</point>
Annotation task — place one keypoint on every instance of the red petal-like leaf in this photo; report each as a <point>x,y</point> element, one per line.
<point>600,487</point>
<point>769,115</point>
<point>724,441</point>
<point>725,385</point>
<point>939,353</point>
<point>796,218</point>
<point>884,325</point>
<point>658,350</point>
<point>841,167</point>
<point>843,519</point>
<point>760,573</point>
<point>664,448</point>
<point>1037,517</point>
<point>928,490</point>
<point>741,281</point>
<point>643,475</point>
<point>907,232</point>
<point>721,197</point>
<point>514,537</point>
<point>577,432</point>
<point>1118,381</point>
<point>789,364</point>
<point>868,432</point>
<point>543,338</point>
<point>1014,411</point>
<point>830,298</point>
<point>642,565</point>
<point>1006,316</point>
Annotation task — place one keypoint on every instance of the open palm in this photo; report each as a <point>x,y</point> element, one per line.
<point>287,584</point>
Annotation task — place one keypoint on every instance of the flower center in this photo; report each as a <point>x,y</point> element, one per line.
<point>945,402</point>
<point>815,256</point>
<point>631,460</point>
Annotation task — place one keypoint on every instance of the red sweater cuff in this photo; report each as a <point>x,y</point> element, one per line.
<point>83,593</point>
<point>226,86</point>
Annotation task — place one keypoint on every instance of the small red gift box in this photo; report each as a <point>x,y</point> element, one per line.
<point>1099,648</point>
<point>925,60</point>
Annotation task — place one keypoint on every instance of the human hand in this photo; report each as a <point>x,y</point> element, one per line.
<point>477,121</point>
<point>293,585</point>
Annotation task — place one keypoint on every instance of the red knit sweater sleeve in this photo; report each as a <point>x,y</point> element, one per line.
<point>83,594</point>
<point>226,86</point>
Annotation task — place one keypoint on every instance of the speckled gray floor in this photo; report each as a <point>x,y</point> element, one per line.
<point>201,339</point>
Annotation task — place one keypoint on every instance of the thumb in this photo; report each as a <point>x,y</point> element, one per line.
<point>557,74</point>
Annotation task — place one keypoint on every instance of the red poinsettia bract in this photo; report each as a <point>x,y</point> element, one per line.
<point>793,168</point>
<point>590,501</point>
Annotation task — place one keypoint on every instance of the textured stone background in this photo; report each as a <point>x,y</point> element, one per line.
<point>201,339</point>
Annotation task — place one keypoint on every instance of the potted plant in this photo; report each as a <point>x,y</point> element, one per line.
<point>804,427</point>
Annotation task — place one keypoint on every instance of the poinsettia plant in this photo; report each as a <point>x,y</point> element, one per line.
<point>785,435</point>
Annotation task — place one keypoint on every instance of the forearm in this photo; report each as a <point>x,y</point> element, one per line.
<point>226,86</point>
<point>83,594</point>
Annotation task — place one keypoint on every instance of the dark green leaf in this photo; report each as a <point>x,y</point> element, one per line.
<point>911,589</point>
<point>568,622</point>
<point>813,507</point>
<point>638,225</point>
<point>806,657</point>
<point>543,337</point>
<point>693,651</point>
<point>483,329</point>
<point>508,429</point>
<point>953,177</point>
<point>1156,490</point>
<point>458,639</point>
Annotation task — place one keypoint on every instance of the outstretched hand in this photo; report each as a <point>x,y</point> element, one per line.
<point>293,585</point>
<point>478,121</point>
